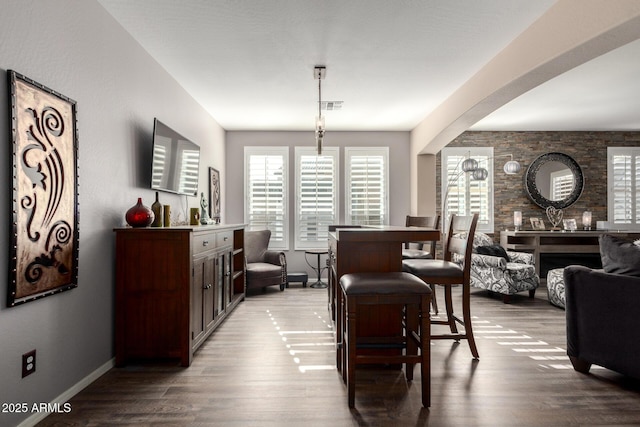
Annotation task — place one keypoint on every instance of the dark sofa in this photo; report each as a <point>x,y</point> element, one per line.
<point>602,306</point>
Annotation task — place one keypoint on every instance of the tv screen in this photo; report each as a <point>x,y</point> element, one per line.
<point>176,161</point>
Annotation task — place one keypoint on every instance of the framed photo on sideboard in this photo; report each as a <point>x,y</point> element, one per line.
<point>537,223</point>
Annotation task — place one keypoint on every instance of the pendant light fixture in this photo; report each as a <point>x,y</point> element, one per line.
<point>471,166</point>
<point>512,167</point>
<point>318,74</point>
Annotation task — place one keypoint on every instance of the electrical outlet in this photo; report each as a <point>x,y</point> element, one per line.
<point>28,363</point>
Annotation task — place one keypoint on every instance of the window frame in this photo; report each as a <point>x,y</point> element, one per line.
<point>484,225</point>
<point>349,152</point>
<point>634,190</point>
<point>283,151</point>
<point>321,243</point>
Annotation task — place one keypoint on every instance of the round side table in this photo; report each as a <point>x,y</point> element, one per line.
<point>318,253</point>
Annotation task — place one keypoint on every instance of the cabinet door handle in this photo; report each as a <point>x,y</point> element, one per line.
<point>226,238</point>
<point>209,286</point>
<point>205,243</point>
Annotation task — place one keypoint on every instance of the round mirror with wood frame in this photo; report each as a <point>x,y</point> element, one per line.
<point>554,179</point>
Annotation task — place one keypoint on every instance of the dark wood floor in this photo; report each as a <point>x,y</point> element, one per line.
<point>272,364</point>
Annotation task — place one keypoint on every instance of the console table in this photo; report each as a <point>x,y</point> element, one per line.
<point>572,244</point>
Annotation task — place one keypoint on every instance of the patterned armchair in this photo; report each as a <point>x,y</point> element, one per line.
<point>496,274</point>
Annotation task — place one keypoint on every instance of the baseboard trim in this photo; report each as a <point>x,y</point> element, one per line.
<point>68,394</point>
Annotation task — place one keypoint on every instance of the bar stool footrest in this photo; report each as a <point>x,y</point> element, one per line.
<point>381,346</point>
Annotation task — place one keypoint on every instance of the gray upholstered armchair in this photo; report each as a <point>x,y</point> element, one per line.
<point>264,267</point>
<point>495,273</point>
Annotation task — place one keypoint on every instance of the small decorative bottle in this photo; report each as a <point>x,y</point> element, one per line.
<point>156,207</point>
<point>167,215</point>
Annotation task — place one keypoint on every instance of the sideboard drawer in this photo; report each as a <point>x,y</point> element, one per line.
<point>204,242</point>
<point>224,238</point>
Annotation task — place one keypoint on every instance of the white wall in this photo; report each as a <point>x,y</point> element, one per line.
<point>399,173</point>
<point>77,49</point>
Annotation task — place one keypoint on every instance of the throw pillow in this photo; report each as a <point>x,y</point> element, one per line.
<point>619,256</point>
<point>494,250</point>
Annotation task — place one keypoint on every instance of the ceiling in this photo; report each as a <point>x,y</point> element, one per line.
<point>250,62</point>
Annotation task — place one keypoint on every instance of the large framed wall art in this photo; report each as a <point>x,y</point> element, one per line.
<point>44,247</point>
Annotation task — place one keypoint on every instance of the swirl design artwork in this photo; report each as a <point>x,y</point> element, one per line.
<point>45,193</point>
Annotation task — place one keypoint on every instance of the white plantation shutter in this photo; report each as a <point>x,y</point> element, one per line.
<point>266,192</point>
<point>456,192</point>
<point>480,199</point>
<point>367,185</point>
<point>562,183</point>
<point>159,161</point>
<point>189,172</point>
<point>460,193</point>
<point>623,184</point>
<point>316,196</point>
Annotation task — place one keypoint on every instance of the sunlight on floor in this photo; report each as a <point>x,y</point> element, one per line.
<point>304,344</point>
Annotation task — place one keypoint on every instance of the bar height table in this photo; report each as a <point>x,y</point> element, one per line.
<point>370,249</point>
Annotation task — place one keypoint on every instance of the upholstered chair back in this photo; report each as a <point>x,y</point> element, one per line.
<point>256,244</point>
<point>481,239</point>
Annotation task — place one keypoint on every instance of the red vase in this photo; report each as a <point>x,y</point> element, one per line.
<point>139,215</point>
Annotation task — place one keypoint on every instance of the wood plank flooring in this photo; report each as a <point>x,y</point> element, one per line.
<point>272,363</point>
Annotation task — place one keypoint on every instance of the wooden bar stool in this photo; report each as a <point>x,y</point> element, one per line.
<point>422,252</point>
<point>454,269</point>
<point>413,297</point>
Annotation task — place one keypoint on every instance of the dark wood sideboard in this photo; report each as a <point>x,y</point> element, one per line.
<point>174,286</point>
<point>554,249</point>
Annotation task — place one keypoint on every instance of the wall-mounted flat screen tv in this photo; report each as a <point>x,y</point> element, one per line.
<point>176,161</point>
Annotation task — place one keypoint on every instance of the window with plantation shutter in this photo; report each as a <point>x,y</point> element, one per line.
<point>266,192</point>
<point>316,196</point>
<point>623,187</point>
<point>367,185</point>
<point>460,193</point>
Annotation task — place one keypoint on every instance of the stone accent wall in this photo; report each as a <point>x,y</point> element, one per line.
<point>589,149</point>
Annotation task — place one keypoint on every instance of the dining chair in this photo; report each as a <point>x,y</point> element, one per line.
<point>447,272</point>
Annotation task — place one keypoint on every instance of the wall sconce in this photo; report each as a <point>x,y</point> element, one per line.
<point>517,219</point>
<point>586,220</point>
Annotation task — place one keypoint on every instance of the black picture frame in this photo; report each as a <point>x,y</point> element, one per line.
<point>44,221</point>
